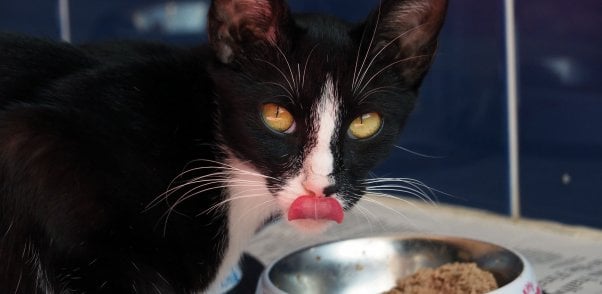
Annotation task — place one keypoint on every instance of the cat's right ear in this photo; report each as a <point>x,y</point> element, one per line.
<point>405,32</point>
<point>235,25</point>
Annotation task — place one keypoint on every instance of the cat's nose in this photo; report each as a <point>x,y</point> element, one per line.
<point>330,190</point>
<point>319,186</point>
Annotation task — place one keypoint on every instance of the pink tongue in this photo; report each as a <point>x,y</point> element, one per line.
<point>311,207</point>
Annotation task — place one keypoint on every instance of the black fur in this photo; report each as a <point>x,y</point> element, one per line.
<point>91,135</point>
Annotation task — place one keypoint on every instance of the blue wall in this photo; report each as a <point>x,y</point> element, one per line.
<point>460,122</point>
<point>561,109</point>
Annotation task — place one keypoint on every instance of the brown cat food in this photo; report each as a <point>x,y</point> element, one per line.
<point>451,278</point>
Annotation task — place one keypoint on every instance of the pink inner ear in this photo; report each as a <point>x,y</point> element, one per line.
<point>316,208</point>
<point>259,17</point>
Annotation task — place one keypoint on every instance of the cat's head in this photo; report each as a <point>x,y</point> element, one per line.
<point>312,103</point>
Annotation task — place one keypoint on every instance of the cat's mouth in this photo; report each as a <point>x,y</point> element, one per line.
<point>309,207</point>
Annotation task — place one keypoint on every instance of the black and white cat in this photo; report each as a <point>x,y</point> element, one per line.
<point>142,168</point>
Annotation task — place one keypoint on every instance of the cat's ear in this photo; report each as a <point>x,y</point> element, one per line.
<point>405,32</point>
<point>236,24</point>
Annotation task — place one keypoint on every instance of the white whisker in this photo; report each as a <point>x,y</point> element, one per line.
<point>417,153</point>
<point>290,84</point>
<point>244,172</point>
<point>306,63</point>
<point>171,190</point>
<point>389,208</point>
<point>298,77</point>
<point>388,66</point>
<point>375,91</point>
<point>404,190</point>
<point>355,81</point>
<point>230,199</point>
<point>268,203</point>
<point>296,86</point>
<point>288,95</point>
<point>380,52</point>
<point>366,213</point>
<point>224,184</point>
<point>409,181</point>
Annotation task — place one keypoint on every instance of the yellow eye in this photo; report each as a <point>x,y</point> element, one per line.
<point>278,118</point>
<point>365,125</point>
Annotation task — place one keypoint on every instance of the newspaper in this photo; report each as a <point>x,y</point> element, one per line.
<point>565,259</point>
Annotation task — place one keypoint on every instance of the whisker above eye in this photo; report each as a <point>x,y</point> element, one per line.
<point>279,70</point>
<point>355,81</point>
<point>306,63</point>
<point>375,91</point>
<point>289,95</point>
<point>295,85</point>
<point>298,77</point>
<point>367,83</point>
<point>380,52</point>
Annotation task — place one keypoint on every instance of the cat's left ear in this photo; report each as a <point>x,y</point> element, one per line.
<point>237,24</point>
<point>405,32</point>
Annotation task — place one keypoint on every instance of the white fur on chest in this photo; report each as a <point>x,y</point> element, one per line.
<point>250,205</point>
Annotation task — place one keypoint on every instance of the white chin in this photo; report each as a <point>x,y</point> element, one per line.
<point>311,226</point>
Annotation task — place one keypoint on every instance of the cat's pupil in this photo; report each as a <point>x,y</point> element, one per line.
<point>277,111</point>
<point>365,126</point>
<point>277,118</point>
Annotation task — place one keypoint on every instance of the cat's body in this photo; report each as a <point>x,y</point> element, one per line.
<point>142,168</point>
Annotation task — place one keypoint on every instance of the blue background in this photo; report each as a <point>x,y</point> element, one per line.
<point>461,119</point>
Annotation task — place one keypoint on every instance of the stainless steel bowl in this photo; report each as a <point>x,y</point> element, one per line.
<point>372,265</point>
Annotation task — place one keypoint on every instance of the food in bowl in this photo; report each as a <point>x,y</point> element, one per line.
<point>450,278</point>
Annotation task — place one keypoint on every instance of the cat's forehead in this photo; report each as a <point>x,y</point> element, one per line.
<point>326,30</point>
<point>303,74</point>
<point>327,40</point>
